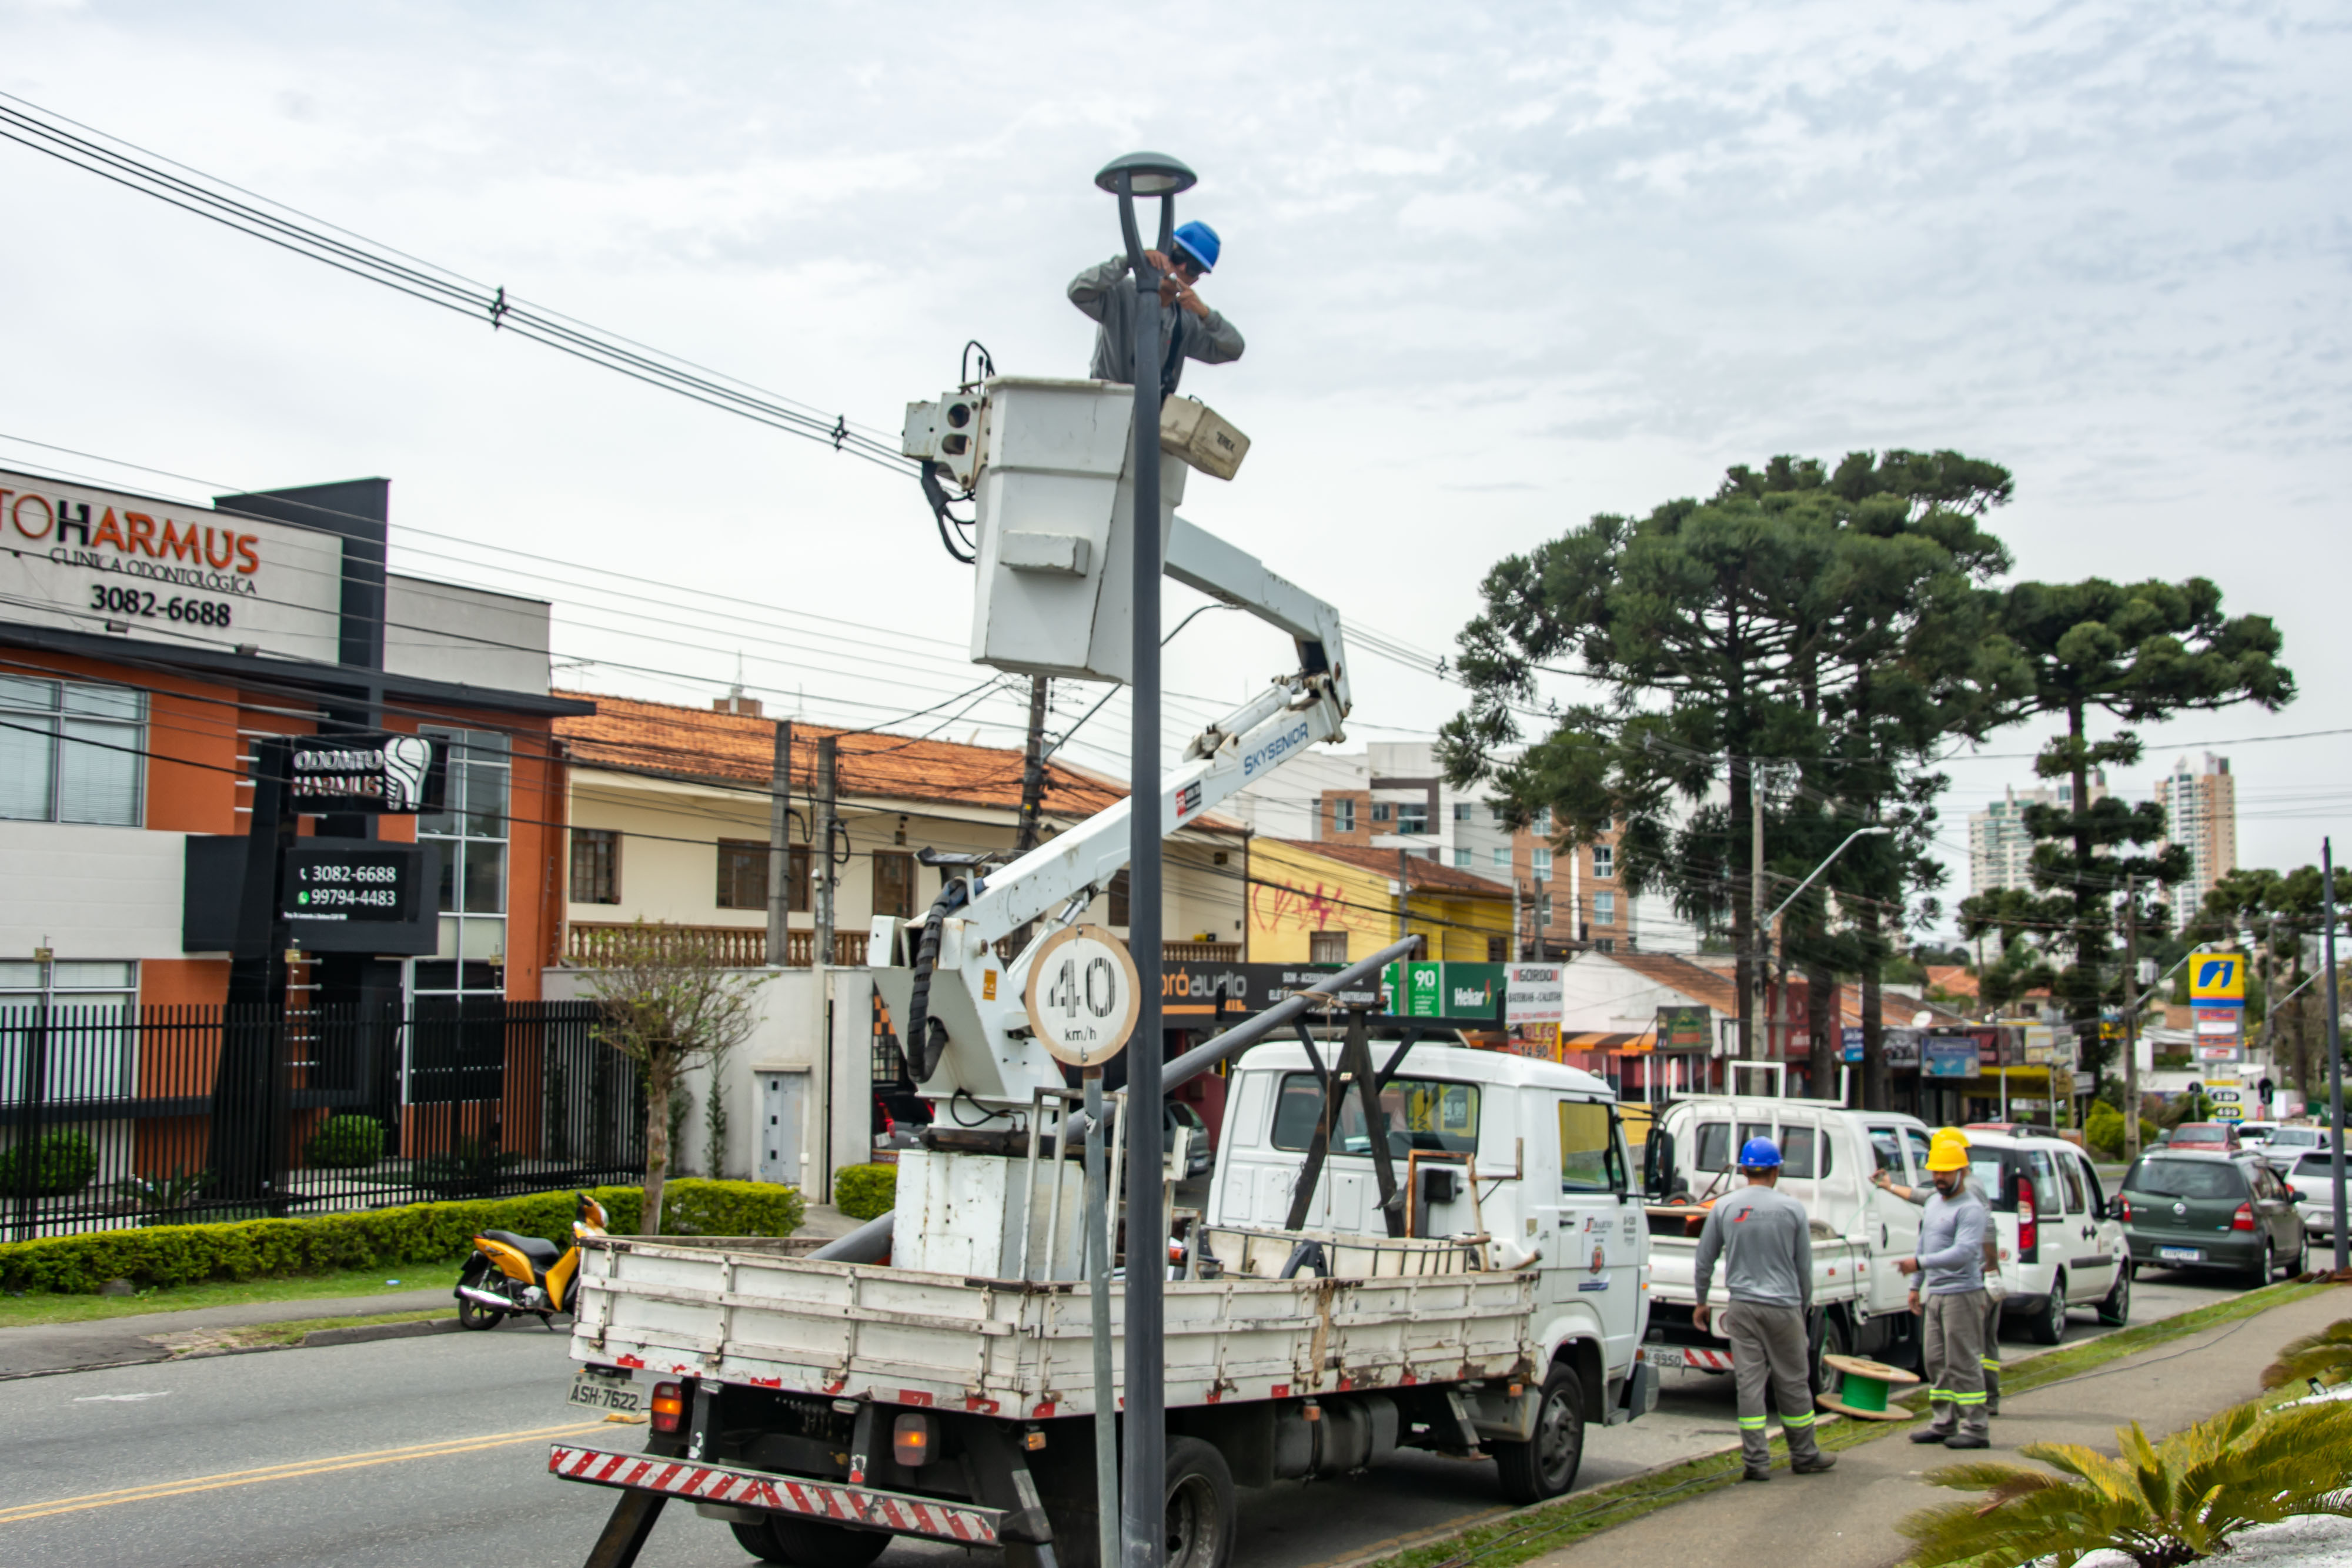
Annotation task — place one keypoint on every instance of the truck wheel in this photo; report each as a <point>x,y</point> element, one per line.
<point>2048,1326</point>
<point>1546,1466</point>
<point>781,1539</point>
<point>1199,1507</point>
<point>2115,1311</point>
<point>1833,1342</point>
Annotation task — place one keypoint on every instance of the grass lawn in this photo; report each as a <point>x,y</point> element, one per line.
<point>42,1307</point>
<point>292,1333</point>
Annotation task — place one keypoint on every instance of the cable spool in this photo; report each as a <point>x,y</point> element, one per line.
<point>1862,1388</point>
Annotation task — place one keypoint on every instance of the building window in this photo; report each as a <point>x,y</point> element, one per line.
<point>84,1063</point>
<point>1496,813</point>
<point>1343,816</point>
<point>1541,859</point>
<point>1502,857</point>
<point>1543,910</point>
<point>742,873</point>
<point>1498,949</point>
<point>1604,944</point>
<point>1380,810</point>
<point>595,865</point>
<point>894,884</point>
<point>69,753</point>
<point>1461,859</point>
<point>1326,946</point>
<point>1542,822</point>
<point>796,878</point>
<point>1604,909</point>
<point>472,835</point>
<point>1604,861</point>
<point>1461,810</point>
<point>1412,816</point>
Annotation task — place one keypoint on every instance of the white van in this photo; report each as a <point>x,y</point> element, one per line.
<point>2060,1246</point>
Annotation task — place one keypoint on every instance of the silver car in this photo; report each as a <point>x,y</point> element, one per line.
<point>2314,1177</point>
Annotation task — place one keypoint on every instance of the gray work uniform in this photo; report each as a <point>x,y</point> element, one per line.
<point>1106,294</point>
<point>1765,1239</point>
<point>1952,1301</point>
<point>1996,1292</point>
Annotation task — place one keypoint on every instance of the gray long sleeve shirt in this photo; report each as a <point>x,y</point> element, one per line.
<point>1766,1240</point>
<point>1951,1243</point>
<point>1107,295</point>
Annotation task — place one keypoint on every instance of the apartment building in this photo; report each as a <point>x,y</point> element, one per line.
<point>2200,814</point>
<point>2001,850</point>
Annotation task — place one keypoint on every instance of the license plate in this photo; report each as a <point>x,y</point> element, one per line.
<point>2166,1255</point>
<point>606,1391</point>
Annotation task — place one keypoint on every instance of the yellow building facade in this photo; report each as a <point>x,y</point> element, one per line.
<point>1312,902</point>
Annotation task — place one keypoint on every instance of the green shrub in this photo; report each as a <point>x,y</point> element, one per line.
<point>167,1199</point>
<point>2102,1129</point>
<point>865,1192</point>
<point>465,1169</point>
<point>345,1142</point>
<point>66,1162</point>
<point>694,1208</point>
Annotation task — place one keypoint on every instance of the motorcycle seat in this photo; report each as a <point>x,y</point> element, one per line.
<point>539,1253</point>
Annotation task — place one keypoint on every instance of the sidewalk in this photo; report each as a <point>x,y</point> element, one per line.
<point>1846,1519</point>
<point>107,1342</point>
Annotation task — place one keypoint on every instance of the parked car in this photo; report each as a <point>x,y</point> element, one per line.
<point>2313,1173</point>
<point>2221,1136</point>
<point>2185,1208</point>
<point>2285,1146</point>
<point>2060,1245</point>
<point>2255,1134</point>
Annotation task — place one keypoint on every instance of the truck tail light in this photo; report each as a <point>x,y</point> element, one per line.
<point>2245,1218</point>
<point>669,1406</point>
<point>2029,1227</point>
<point>910,1440</point>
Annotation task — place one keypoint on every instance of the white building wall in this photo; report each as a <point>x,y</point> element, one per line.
<point>440,632</point>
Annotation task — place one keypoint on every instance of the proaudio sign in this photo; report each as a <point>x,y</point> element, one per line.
<point>102,561</point>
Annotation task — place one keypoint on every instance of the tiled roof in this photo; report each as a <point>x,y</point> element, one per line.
<point>1421,872</point>
<point>1700,985</point>
<point>1951,980</point>
<point>671,741</point>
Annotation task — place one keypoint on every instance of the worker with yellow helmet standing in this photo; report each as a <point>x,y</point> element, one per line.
<point>1950,1293</point>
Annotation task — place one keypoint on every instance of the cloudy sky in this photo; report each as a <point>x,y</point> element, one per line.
<point>1499,267</point>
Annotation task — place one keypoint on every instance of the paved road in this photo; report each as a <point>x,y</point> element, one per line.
<point>423,1453</point>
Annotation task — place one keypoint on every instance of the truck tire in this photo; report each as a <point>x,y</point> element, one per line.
<point>1546,1466</point>
<point>1201,1512</point>
<point>2048,1325</point>
<point>1833,1341</point>
<point>808,1545</point>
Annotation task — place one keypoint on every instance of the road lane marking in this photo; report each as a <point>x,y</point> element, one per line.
<point>120,1398</point>
<point>294,1469</point>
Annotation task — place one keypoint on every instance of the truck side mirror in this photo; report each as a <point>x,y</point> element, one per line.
<point>1657,1163</point>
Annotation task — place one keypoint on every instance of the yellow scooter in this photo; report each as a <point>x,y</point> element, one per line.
<point>510,1275</point>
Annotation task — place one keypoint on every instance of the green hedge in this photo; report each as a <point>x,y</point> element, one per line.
<point>63,1163</point>
<point>2103,1130</point>
<point>865,1192</point>
<point>419,1233</point>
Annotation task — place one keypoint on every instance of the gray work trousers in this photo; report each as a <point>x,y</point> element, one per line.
<point>1769,1347</point>
<point>1953,1348</point>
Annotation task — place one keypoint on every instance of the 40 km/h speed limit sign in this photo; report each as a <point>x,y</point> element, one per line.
<point>1084,996</point>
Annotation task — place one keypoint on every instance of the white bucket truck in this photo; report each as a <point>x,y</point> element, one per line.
<point>1443,1250</point>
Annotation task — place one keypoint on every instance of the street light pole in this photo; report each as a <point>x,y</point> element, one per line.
<point>1142,1505</point>
<point>1770,924</point>
<point>2335,1059</point>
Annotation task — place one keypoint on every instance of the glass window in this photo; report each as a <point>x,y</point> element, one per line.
<point>70,753</point>
<point>1415,1113</point>
<point>743,875</point>
<point>2185,1179</point>
<point>1461,810</point>
<point>1886,1148</point>
<point>1412,816</point>
<point>2044,1179</point>
<point>470,834</point>
<point>1798,1148</point>
<point>1989,1172</point>
<point>1327,947</point>
<point>1588,1148</point>
<point>1380,810</point>
<point>1461,859</point>
<point>1541,859</point>
<point>2070,1175</point>
<point>1494,812</point>
<point>89,1056</point>
<point>1604,909</point>
<point>1917,1141</point>
<point>1604,861</point>
<point>595,865</point>
<point>1542,822</point>
<point>894,886</point>
<point>1714,1146</point>
<point>1343,816</point>
<point>1502,857</point>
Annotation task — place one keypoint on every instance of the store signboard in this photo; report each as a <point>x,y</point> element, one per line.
<point>2228,1099</point>
<point>1951,1055</point>
<point>1685,1028</point>
<point>109,562</point>
<point>1446,990</point>
<point>2217,979</point>
<point>1534,994</point>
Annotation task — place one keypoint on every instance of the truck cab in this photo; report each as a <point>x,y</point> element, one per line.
<point>1528,1153</point>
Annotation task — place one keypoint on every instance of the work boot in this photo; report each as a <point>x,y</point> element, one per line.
<point>1753,1474</point>
<point>1814,1464</point>
<point>1934,1432</point>
<point>1992,1391</point>
<point>1968,1439</point>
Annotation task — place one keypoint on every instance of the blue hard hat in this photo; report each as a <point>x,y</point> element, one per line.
<point>1200,243</point>
<point>1759,1154</point>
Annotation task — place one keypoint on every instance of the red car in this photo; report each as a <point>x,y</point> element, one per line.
<point>2218,1136</point>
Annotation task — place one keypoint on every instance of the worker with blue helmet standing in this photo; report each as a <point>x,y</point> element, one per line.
<point>1189,329</point>
<point>1766,1241</point>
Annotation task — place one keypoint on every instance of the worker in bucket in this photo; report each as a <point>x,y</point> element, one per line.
<point>1765,1239</point>
<point>1189,329</point>
<point>1950,1292</point>
<point>1996,1288</point>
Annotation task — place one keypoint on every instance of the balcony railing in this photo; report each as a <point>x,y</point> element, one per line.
<point>591,945</point>
<point>1201,952</point>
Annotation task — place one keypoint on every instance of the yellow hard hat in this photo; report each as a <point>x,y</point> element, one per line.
<point>1949,1150</point>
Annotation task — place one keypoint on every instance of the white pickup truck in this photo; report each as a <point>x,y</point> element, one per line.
<point>1828,1154</point>
<point>820,1407</point>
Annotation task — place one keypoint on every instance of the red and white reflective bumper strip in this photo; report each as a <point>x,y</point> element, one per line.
<point>1708,1360</point>
<point>699,1482</point>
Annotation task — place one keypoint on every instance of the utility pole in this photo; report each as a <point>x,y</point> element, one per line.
<point>828,769</point>
<point>1518,942</point>
<point>2334,1056</point>
<point>1759,953</point>
<point>2131,1019</point>
<point>1032,770</point>
<point>780,849</point>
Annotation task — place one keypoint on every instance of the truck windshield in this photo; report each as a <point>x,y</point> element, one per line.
<point>1415,1113</point>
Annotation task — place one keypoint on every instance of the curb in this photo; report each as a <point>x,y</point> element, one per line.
<point>363,1332</point>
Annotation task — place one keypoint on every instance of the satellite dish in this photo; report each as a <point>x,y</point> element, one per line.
<point>1922,1020</point>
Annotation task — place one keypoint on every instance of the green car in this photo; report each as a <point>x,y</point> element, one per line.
<point>2195,1210</point>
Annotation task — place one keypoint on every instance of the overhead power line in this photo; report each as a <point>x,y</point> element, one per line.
<point>191,190</point>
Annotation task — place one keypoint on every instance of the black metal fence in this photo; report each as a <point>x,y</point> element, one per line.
<point>119,1116</point>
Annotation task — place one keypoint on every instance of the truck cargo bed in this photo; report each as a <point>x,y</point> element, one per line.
<point>743,1311</point>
